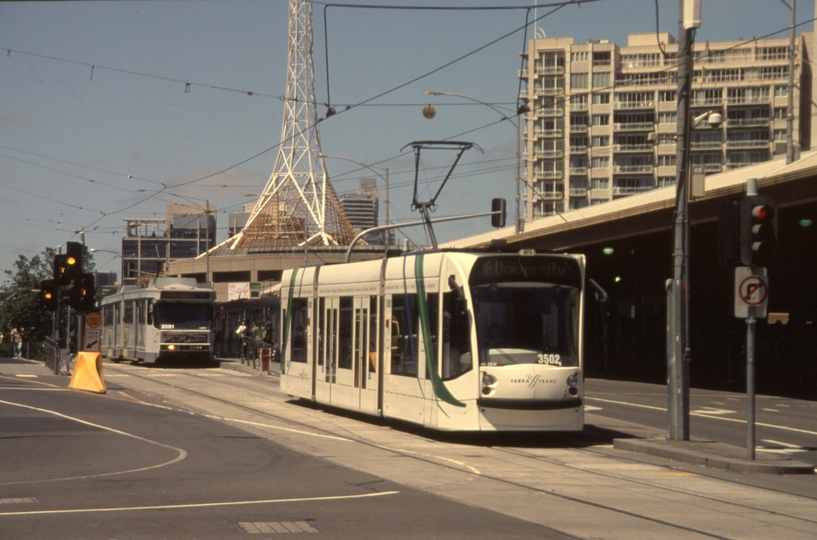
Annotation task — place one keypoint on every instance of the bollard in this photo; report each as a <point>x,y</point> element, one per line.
<point>88,373</point>
<point>265,354</point>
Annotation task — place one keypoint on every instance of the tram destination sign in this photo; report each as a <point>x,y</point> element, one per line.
<point>542,268</point>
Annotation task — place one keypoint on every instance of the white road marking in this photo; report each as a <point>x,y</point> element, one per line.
<point>712,416</point>
<point>199,505</point>
<point>770,410</point>
<point>591,408</point>
<point>711,410</point>
<point>26,376</point>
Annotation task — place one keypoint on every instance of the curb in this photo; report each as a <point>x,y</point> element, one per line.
<point>714,455</point>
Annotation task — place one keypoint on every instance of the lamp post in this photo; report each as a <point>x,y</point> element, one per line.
<point>790,97</point>
<point>519,227</point>
<point>374,170</point>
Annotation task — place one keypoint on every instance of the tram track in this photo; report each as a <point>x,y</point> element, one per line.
<point>460,467</point>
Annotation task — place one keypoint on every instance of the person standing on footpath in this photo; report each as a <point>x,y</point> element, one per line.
<point>16,337</point>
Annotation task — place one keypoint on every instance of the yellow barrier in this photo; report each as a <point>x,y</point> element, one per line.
<point>88,373</point>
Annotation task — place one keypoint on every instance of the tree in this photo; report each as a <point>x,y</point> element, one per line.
<point>22,309</point>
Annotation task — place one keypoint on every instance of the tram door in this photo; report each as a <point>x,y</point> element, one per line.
<point>352,386</point>
<point>327,352</point>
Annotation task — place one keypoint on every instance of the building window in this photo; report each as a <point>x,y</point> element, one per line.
<point>667,96</point>
<point>600,162</point>
<point>578,80</point>
<point>666,161</point>
<point>600,183</point>
<point>579,56</point>
<point>600,140</point>
<point>601,58</point>
<point>601,99</point>
<point>780,135</point>
<point>780,113</point>
<point>666,181</point>
<point>669,117</point>
<point>600,120</point>
<point>781,91</point>
<point>601,80</point>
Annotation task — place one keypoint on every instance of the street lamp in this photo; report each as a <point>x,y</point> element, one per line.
<point>519,226</point>
<point>374,170</point>
<point>790,97</point>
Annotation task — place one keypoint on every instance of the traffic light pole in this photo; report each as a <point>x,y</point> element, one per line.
<point>750,384</point>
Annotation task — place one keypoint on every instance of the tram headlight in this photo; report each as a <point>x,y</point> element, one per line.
<point>171,347</point>
<point>573,380</point>
<point>488,379</point>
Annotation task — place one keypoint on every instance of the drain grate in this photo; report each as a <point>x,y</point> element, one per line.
<point>17,500</point>
<point>274,527</point>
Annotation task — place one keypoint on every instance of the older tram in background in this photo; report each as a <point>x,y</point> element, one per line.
<point>450,340</point>
<point>169,318</point>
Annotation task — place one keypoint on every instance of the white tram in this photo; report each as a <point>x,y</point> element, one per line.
<point>449,340</point>
<point>170,318</point>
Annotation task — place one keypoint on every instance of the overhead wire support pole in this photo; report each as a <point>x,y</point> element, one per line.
<point>678,350</point>
<point>790,93</point>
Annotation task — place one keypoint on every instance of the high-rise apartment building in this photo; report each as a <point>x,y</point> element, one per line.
<point>603,118</point>
<point>361,209</point>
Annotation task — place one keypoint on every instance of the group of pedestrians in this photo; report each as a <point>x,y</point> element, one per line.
<point>16,338</point>
<point>253,338</point>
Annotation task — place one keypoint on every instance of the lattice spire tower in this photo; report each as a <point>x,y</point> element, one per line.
<point>298,204</point>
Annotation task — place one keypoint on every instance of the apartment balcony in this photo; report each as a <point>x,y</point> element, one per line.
<point>550,70</point>
<point>549,133</point>
<point>578,170</point>
<point>618,190</point>
<point>578,192</point>
<point>576,149</point>
<point>633,147</point>
<point>548,175</point>
<point>709,167</point>
<point>706,102</point>
<point>705,145</point>
<point>548,154</point>
<point>741,164</point>
<point>750,100</point>
<point>630,105</point>
<point>748,143</point>
<point>522,73</point>
<point>747,122</point>
<point>549,195</point>
<point>550,112</point>
<point>634,126</point>
<point>578,128</point>
<point>575,107</point>
<point>550,91</point>
<point>633,169</point>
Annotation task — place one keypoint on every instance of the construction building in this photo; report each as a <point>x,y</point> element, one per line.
<point>603,117</point>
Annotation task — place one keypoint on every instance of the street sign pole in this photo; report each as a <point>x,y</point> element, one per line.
<point>750,384</point>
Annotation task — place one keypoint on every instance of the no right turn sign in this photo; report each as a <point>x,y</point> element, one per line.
<point>751,291</point>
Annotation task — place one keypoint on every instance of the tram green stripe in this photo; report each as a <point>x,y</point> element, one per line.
<point>437,384</point>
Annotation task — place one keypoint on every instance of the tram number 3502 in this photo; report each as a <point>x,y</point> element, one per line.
<point>549,359</point>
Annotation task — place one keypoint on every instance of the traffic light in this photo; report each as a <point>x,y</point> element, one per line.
<point>758,230</point>
<point>74,251</point>
<point>61,272</point>
<point>83,293</point>
<point>49,293</point>
<point>498,220</point>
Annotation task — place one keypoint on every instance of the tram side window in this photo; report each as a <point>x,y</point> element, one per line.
<point>107,315</point>
<point>127,316</point>
<point>404,335</point>
<point>374,338</point>
<point>298,329</point>
<point>319,329</point>
<point>456,339</point>
<point>345,332</point>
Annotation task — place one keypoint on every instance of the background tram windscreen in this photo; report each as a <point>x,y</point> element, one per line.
<point>182,316</point>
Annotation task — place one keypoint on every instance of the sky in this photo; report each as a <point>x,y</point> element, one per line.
<point>96,116</point>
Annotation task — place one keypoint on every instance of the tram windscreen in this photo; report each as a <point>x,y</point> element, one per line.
<point>524,318</point>
<point>182,316</point>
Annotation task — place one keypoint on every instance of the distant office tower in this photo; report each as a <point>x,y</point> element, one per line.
<point>362,210</point>
<point>603,117</point>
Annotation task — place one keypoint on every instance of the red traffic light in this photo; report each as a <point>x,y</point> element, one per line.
<point>762,212</point>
